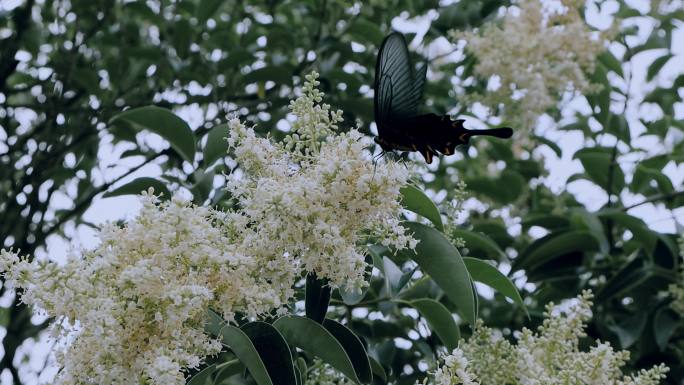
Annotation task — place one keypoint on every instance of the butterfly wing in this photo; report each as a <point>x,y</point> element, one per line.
<point>397,92</point>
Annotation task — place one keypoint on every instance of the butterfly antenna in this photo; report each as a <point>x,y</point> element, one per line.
<point>501,132</point>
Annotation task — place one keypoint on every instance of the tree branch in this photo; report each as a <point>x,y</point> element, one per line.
<point>654,198</point>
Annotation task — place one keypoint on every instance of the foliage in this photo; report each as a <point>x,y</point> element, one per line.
<point>80,64</point>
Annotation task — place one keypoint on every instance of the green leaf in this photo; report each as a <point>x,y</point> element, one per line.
<point>281,74</point>
<point>207,9</point>
<point>482,271</point>
<point>237,341</point>
<point>552,145</point>
<point>665,323</point>
<point>203,377</point>
<point>491,187</point>
<point>598,163</point>
<point>442,261</point>
<point>273,350</point>
<point>312,337</point>
<point>637,226</point>
<point>365,31</point>
<point>378,370</point>
<point>547,221</point>
<point>217,146</point>
<point>657,65</point>
<point>214,323</point>
<point>440,320</point>
<point>629,329</point>
<point>414,199</point>
<point>164,123</point>
<point>354,348</point>
<point>138,185</point>
<point>475,242</point>
<point>317,297</point>
<point>631,275</point>
<point>393,275</point>
<point>352,297</point>
<point>611,62</point>
<point>228,369</point>
<point>554,245</point>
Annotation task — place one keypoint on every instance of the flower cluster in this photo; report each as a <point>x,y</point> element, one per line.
<point>320,373</point>
<point>549,356</point>
<point>133,309</point>
<point>537,55</point>
<point>316,197</point>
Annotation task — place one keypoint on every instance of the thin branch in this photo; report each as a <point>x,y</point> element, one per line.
<point>654,198</point>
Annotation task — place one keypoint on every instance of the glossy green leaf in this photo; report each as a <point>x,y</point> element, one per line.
<point>665,323</point>
<point>547,221</point>
<point>551,144</point>
<point>657,65</point>
<point>414,199</point>
<point>611,62</point>
<point>351,296</point>
<point>164,123</point>
<point>440,320</point>
<point>317,297</point>
<point>635,225</point>
<point>481,271</point>
<point>138,185</point>
<point>629,329</point>
<point>554,245</point>
<point>203,377</point>
<point>273,350</point>
<point>228,369</point>
<point>207,8</point>
<point>217,146</point>
<point>392,275</point>
<point>378,370</point>
<point>312,337</point>
<point>281,74</point>
<point>214,323</point>
<point>475,242</point>
<point>598,163</point>
<point>632,274</point>
<point>354,348</point>
<point>442,261</point>
<point>237,341</point>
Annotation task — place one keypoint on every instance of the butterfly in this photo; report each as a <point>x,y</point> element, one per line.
<point>398,92</point>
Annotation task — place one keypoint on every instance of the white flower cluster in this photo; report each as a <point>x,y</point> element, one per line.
<point>133,309</point>
<point>549,356</point>
<point>320,373</point>
<point>310,203</point>
<point>537,55</point>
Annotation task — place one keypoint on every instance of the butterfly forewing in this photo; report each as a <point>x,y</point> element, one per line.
<point>396,91</point>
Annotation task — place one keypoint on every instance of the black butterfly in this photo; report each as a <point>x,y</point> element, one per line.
<point>398,93</point>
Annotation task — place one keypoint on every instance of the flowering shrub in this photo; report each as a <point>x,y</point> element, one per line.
<point>537,54</point>
<point>549,356</point>
<point>135,305</point>
<point>133,309</point>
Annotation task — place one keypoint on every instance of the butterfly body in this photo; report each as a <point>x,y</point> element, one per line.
<point>398,92</point>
